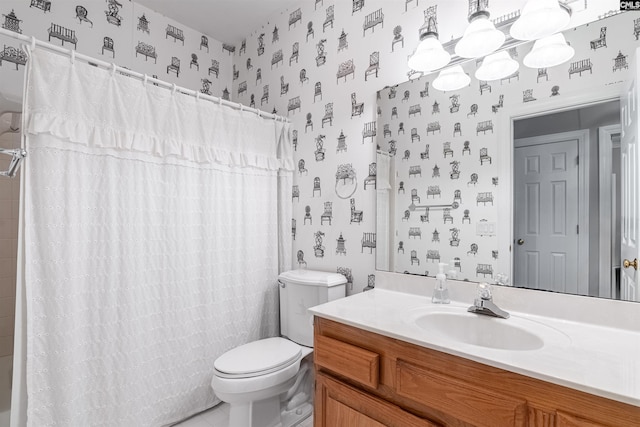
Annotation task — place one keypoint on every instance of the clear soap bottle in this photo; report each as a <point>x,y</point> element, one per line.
<point>441,290</point>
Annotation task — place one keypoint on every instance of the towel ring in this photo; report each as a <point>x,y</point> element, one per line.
<point>354,183</point>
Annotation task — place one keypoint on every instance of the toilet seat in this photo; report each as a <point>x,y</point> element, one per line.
<point>257,358</point>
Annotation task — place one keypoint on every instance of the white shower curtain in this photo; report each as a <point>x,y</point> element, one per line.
<point>154,227</point>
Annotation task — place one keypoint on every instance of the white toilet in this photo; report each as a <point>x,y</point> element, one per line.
<point>266,382</point>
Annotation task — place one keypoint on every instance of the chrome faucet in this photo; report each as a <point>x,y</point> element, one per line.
<point>483,303</point>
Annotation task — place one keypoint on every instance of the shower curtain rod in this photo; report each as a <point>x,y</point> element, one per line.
<point>143,77</point>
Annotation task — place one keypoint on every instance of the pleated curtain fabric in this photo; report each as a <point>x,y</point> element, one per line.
<point>154,227</point>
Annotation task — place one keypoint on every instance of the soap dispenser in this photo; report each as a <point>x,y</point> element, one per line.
<point>441,291</point>
<point>452,273</point>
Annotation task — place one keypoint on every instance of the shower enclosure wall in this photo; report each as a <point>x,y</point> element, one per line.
<point>9,195</point>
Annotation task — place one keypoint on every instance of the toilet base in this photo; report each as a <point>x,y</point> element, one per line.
<point>282,406</point>
<point>268,413</point>
<point>260,413</point>
<point>295,416</point>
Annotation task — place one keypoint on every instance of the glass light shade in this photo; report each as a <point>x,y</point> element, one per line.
<point>548,52</point>
<point>497,66</point>
<point>480,39</point>
<point>540,18</point>
<point>429,56</point>
<point>453,78</point>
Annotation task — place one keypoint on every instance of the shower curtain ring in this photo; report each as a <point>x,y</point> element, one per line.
<point>144,80</point>
<point>173,88</point>
<point>73,56</point>
<point>197,96</point>
<point>33,42</point>
<point>113,68</point>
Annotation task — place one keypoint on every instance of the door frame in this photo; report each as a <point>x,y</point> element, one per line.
<point>606,206</point>
<point>582,136</point>
<point>505,133</point>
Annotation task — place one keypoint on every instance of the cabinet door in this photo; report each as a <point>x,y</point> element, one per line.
<point>338,404</point>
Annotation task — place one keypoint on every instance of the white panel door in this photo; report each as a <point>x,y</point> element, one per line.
<point>546,216</point>
<point>629,203</point>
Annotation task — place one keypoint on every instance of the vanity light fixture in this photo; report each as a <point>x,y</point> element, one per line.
<point>452,78</point>
<point>540,18</point>
<point>429,55</point>
<point>548,52</point>
<point>481,37</point>
<point>497,66</point>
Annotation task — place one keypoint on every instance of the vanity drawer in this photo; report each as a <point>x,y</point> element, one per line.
<point>566,420</point>
<point>466,402</point>
<point>347,360</point>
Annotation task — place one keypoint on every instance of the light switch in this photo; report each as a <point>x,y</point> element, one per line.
<point>486,228</point>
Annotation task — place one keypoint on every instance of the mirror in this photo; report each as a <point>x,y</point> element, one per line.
<point>448,166</point>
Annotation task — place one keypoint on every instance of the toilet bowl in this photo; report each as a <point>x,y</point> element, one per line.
<point>269,382</point>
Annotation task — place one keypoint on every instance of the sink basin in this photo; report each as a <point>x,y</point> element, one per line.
<point>516,334</point>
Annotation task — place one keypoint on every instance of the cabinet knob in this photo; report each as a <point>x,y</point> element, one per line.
<point>633,263</point>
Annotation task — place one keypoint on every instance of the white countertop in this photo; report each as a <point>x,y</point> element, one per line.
<point>600,360</point>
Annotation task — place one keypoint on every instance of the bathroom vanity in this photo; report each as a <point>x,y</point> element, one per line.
<point>387,358</point>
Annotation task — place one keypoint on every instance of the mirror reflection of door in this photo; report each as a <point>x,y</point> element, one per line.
<point>546,200</point>
<point>609,210</point>
<point>559,221</point>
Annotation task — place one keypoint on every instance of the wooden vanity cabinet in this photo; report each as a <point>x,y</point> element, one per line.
<point>368,380</point>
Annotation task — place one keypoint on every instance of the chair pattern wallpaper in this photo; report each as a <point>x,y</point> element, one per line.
<point>446,181</point>
<point>353,54</point>
<point>341,64</point>
<point>123,32</point>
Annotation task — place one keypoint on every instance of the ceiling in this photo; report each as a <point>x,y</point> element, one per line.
<point>228,21</point>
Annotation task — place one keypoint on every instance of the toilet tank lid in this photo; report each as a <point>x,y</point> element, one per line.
<point>312,278</point>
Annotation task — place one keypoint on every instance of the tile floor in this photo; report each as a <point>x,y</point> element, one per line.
<point>219,417</point>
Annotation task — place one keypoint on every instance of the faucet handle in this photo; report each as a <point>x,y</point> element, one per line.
<point>483,291</point>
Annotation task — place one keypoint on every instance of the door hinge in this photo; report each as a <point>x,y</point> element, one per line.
<point>577,160</point>
<point>578,229</point>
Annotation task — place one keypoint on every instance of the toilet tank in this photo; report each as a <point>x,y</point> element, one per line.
<point>300,290</point>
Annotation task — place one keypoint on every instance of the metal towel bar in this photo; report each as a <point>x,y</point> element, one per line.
<point>453,205</point>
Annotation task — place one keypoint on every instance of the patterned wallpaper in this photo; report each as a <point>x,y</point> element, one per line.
<point>119,31</point>
<point>443,148</point>
<point>450,157</point>
<point>322,65</point>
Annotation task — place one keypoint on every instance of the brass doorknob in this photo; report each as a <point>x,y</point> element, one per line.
<point>521,242</point>
<point>633,263</point>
